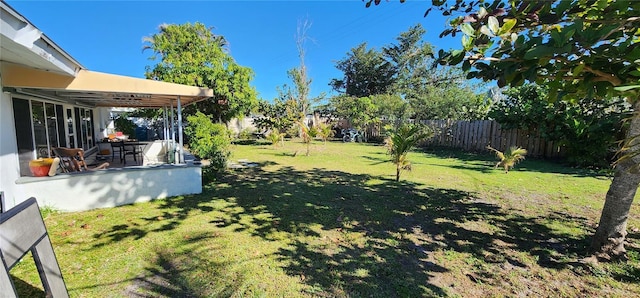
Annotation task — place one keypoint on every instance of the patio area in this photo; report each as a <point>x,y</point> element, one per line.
<point>131,153</point>
<point>117,185</point>
<point>50,100</point>
<point>122,182</point>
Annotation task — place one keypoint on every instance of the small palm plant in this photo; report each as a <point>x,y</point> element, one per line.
<point>307,134</point>
<point>325,131</point>
<point>274,137</point>
<point>510,157</point>
<point>400,142</point>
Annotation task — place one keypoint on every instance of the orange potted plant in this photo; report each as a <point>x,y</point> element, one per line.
<point>40,167</point>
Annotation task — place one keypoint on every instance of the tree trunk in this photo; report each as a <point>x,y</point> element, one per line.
<point>608,241</point>
<point>398,172</point>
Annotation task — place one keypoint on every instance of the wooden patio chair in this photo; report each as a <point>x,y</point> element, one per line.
<point>22,230</point>
<point>72,160</point>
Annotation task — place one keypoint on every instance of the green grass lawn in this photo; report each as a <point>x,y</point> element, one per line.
<point>336,224</point>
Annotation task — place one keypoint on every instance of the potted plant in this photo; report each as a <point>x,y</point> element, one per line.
<point>40,167</point>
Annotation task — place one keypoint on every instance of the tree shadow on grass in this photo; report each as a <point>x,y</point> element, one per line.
<point>345,236</point>
<point>630,271</point>
<point>174,211</point>
<point>24,289</point>
<point>475,166</point>
<point>351,238</point>
<point>377,161</point>
<point>169,274</point>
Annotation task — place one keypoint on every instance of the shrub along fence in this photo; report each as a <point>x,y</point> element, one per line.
<point>476,135</point>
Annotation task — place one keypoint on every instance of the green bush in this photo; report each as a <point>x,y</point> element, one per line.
<point>125,125</point>
<point>274,137</point>
<point>324,131</point>
<point>246,134</point>
<point>589,129</point>
<point>210,174</point>
<point>208,140</point>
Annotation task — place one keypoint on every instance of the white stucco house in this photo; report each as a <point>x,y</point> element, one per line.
<point>48,99</point>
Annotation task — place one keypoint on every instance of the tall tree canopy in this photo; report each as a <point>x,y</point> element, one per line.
<point>192,54</point>
<point>366,72</point>
<point>410,57</point>
<point>406,69</point>
<point>578,49</point>
<point>433,92</point>
<point>299,74</point>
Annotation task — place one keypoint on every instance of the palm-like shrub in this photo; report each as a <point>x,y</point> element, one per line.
<point>306,133</point>
<point>400,142</point>
<point>510,157</point>
<point>325,131</point>
<point>274,137</point>
<point>245,134</point>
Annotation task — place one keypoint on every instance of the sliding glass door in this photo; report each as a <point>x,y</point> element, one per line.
<point>41,126</point>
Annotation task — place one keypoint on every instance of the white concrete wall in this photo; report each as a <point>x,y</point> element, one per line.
<point>9,166</point>
<point>154,153</point>
<point>236,125</point>
<point>112,187</point>
<point>103,122</point>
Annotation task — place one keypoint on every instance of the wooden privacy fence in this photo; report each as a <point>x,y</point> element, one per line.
<point>476,135</point>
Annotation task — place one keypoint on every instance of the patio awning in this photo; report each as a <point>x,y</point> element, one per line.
<point>98,89</point>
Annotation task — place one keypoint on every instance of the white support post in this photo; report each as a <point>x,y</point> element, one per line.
<point>173,135</point>
<point>165,131</point>
<point>180,138</point>
<point>165,124</point>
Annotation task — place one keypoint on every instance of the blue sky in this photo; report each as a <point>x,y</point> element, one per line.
<point>106,36</point>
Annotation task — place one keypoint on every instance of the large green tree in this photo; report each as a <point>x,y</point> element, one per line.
<point>361,111</point>
<point>579,49</point>
<point>391,107</point>
<point>433,92</point>
<point>192,54</point>
<point>413,67</point>
<point>366,72</point>
<point>406,69</point>
<point>444,101</point>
